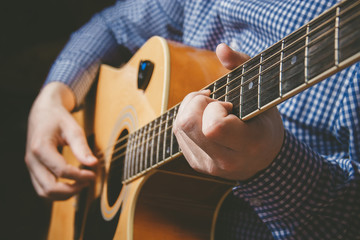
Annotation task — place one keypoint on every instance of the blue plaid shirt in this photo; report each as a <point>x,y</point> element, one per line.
<point>311,190</point>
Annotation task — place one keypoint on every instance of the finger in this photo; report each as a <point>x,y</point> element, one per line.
<point>189,120</point>
<point>74,135</point>
<point>214,115</point>
<point>53,189</point>
<point>204,155</point>
<point>49,157</point>
<point>230,58</point>
<point>219,126</point>
<point>190,96</point>
<point>47,186</point>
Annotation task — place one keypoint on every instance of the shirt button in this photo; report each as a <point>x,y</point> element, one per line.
<point>255,202</point>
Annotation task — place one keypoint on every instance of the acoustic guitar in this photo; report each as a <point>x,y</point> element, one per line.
<point>144,188</point>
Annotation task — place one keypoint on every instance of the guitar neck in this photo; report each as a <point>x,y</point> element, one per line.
<point>321,48</point>
<point>314,52</point>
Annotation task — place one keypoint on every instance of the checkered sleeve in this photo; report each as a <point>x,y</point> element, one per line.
<point>302,194</point>
<point>98,41</point>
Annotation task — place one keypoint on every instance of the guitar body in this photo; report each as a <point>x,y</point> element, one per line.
<point>168,202</point>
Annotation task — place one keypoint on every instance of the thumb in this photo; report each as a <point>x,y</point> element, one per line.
<point>74,136</point>
<point>230,58</point>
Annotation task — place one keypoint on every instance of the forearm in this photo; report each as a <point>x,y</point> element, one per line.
<point>56,94</point>
<point>78,63</point>
<point>302,194</point>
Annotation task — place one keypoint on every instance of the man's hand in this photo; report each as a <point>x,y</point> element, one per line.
<point>220,144</point>
<point>50,126</point>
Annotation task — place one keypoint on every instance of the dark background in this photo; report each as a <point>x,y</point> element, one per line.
<point>31,35</point>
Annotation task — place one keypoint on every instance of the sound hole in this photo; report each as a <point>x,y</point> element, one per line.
<point>116,168</point>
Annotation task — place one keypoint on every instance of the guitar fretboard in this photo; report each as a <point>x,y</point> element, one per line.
<point>324,46</point>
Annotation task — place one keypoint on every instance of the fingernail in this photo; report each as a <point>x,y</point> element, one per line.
<point>204,91</point>
<point>90,159</point>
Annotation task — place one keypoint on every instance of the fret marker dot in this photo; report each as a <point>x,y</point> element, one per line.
<point>251,84</point>
<point>293,60</point>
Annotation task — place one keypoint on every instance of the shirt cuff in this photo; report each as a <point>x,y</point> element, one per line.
<point>281,190</point>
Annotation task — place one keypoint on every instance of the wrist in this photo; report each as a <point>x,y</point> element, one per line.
<point>57,93</point>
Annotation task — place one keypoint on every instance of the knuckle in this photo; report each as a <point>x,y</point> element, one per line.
<point>194,165</point>
<point>212,128</point>
<point>77,131</point>
<point>47,191</point>
<point>225,166</point>
<point>183,123</point>
<point>36,147</point>
<point>186,123</point>
<point>42,194</point>
<point>199,98</point>
<point>59,171</point>
<point>27,159</point>
<point>190,96</point>
<point>212,170</point>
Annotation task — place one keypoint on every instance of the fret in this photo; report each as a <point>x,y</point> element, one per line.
<point>241,114</point>
<point>293,61</point>
<point>166,148</point>
<point>227,88</point>
<point>127,158</point>
<point>136,151</point>
<point>174,144</point>
<point>250,86</point>
<point>259,82</point>
<point>306,60</point>
<point>270,74</point>
<point>154,141</point>
<point>139,150</point>
<point>158,140</point>
<point>211,88</point>
<point>142,151</point>
<point>214,86</point>
<point>321,44</point>
<point>163,152</point>
<point>349,31</point>
<point>220,88</point>
<point>281,69</point>
<point>168,133</point>
<point>147,145</point>
<point>121,150</point>
<point>234,89</point>
<point>132,155</point>
<point>336,40</point>
<point>161,133</point>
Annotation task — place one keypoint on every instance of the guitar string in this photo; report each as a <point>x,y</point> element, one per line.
<point>152,130</point>
<point>137,138</point>
<point>257,75</point>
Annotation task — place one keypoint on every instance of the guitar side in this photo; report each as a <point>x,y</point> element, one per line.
<point>165,203</point>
